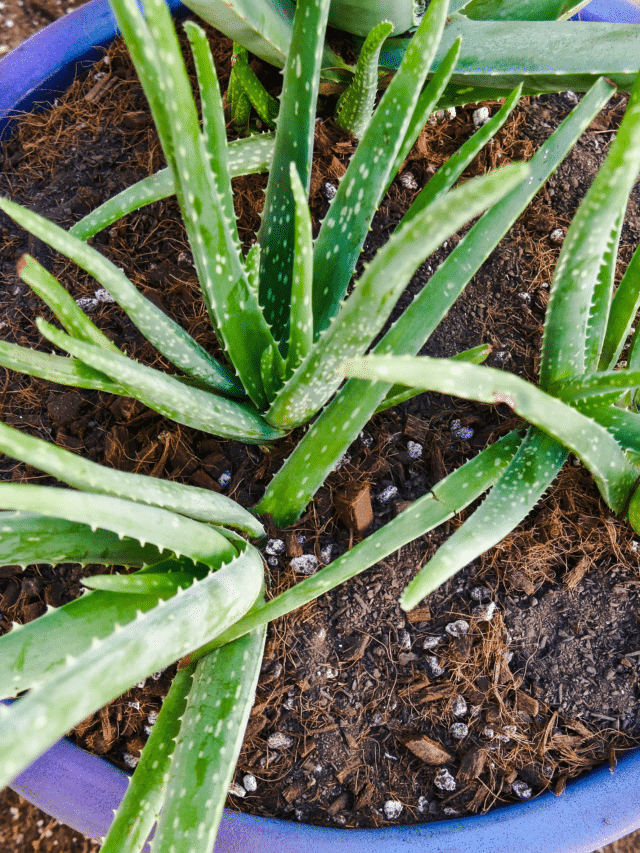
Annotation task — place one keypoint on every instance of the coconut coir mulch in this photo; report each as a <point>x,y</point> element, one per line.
<point>359,704</point>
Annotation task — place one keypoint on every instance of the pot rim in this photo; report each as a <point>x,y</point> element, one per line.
<point>82,790</point>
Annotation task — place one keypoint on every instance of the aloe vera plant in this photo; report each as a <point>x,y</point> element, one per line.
<point>197,594</point>
<point>586,401</point>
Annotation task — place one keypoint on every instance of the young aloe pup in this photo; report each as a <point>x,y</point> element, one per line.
<point>197,591</point>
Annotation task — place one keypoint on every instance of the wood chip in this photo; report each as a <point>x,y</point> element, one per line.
<point>295,790</point>
<point>573,577</point>
<point>471,764</point>
<point>96,92</point>
<point>527,703</point>
<point>292,547</point>
<point>354,508</point>
<point>107,728</point>
<point>339,804</point>
<point>419,614</point>
<point>364,797</point>
<point>416,429</point>
<point>520,581</point>
<point>561,784</point>
<point>427,750</point>
<point>348,736</point>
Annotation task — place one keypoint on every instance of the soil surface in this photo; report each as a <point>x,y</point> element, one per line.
<point>359,704</point>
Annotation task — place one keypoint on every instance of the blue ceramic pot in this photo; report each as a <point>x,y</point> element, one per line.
<point>81,790</point>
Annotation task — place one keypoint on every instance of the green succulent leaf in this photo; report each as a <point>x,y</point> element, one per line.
<point>364,313</point>
<point>164,333</point>
<point>214,130</point>
<point>209,743</point>
<point>582,286</point>
<point>144,796</point>
<point>28,537</point>
<point>264,27</point>
<point>237,103</point>
<point>294,144</point>
<point>166,530</point>
<point>497,56</point>
<point>55,368</point>
<point>301,323</point>
<point>362,187</point>
<point>595,385</point>
<point>113,665</point>
<point>448,174</point>
<point>516,10</point>
<point>355,105</point>
<point>263,103</point>
<point>519,488</point>
<point>167,395</point>
<point>624,306</point>
<point>35,652</point>
<point>246,157</point>
<point>164,583</point>
<point>359,16</point>
<point>599,451</point>
<point>449,496</point>
<point>65,308</point>
<point>400,393</point>
<point>427,103</point>
<point>325,442</point>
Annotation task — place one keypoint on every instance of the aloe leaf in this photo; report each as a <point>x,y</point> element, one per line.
<point>364,313</point>
<point>362,187</point>
<point>214,130</point>
<point>270,374</point>
<point>595,385</point>
<point>168,396</point>
<point>209,743</point>
<point>400,393</point>
<point>148,64</point>
<point>32,653</point>
<point>496,56</point>
<point>113,665</point>
<point>291,489</point>
<point>74,470</point>
<point>55,368</point>
<point>164,583</point>
<point>355,105</point>
<point>359,16</point>
<point>246,157</point>
<point>264,27</point>
<point>449,496</point>
<point>582,285</point>
<point>164,333</point>
<point>65,308</point>
<point>144,796</point>
<point>166,530</point>
<point>599,451</point>
<point>448,174</point>
<point>520,487</point>
<point>28,537</point>
<point>516,10</point>
<point>301,323</point>
<point>624,307</point>
<point>262,102</point>
<point>237,103</point>
<point>211,236</point>
<point>427,102</point>
<point>623,425</point>
<point>294,144</point>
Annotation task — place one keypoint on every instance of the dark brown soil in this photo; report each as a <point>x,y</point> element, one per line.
<point>549,683</point>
